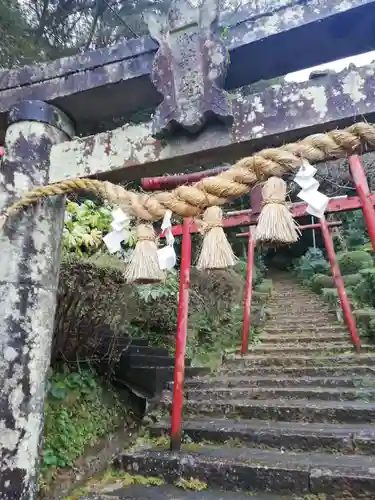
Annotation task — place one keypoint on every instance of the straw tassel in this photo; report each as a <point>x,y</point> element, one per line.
<point>276,225</point>
<point>216,252</point>
<point>144,265</point>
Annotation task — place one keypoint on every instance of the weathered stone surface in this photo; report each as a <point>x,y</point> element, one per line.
<point>278,114</point>
<point>30,257</point>
<point>265,435</point>
<point>120,76</point>
<point>250,469</point>
<point>167,492</point>
<point>189,68</point>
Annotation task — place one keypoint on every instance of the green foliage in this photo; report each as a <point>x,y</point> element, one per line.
<point>73,399</point>
<point>18,43</point>
<point>365,319</point>
<point>312,262</point>
<point>211,335</point>
<point>84,226</point>
<point>351,280</point>
<point>259,263</point>
<point>320,281</point>
<point>259,268</point>
<point>367,247</point>
<point>364,292</point>
<point>330,296</point>
<point>158,303</point>
<point>351,262</point>
<point>265,287</point>
<point>354,227</point>
<point>192,484</point>
<point>153,292</point>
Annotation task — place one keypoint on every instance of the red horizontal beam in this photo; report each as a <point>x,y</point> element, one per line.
<point>298,210</point>
<point>301,228</point>
<point>173,181</point>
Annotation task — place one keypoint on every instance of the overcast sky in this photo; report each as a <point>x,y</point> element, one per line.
<point>361,60</point>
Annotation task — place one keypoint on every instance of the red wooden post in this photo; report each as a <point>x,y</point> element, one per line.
<point>344,301</point>
<point>182,324</point>
<point>361,185</point>
<point>173,181</point>
<point>248,292</point>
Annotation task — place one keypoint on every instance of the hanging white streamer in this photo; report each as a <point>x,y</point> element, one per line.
<point>120,231</point>
<point>167,255</point>
<point>316,201</point>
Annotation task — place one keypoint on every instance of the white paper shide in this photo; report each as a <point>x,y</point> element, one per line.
<point>316,201</point>
<point>120,230</point>
<point>167,254</point>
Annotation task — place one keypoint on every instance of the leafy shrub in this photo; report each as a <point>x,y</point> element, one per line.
<point>241,268</point>
<point>351,280</point>
<point>265,287</point>
<point>84,227</point>
<point>73,398</point>
<point>366,320</point>
<point>352,262</point>
<point>330,296</point>
<point>259,263</point>
<point>260,297</point>
<point>364,292</point>
<point>320,281</point>
<point>312,262</point>
<point>354,228</point>
<point>366,248</point>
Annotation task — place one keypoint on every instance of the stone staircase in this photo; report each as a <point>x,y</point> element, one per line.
<point>294,419</point>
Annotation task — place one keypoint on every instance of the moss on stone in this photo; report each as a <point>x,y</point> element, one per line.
<point>193,484</point>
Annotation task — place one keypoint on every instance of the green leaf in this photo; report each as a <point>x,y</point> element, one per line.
<point>58,392</point>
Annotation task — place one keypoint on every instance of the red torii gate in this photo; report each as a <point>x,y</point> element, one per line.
<point>365,201</point>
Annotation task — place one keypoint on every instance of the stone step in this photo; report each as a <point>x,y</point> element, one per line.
<point>285,312</point>
<point>290,410</point>
<point>253,470</point>
<point>303,338</point>
<point>299,371</point>
<point>169,492</point>
<point>264,360</point>
<point>308,349</point>
<point>291,304</point>
<point>285,328</point>
<point>279,381</point>
<point>291,436</point>
<point>262,393</point>
<point>305,318</point>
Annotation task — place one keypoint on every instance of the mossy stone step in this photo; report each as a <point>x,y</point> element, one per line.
<point>291,436</point>
<point>254,470</point>
<point>291,410</point>
<point>285,327</point>
<point>280,381</point>
<point>302,338</point>
<point>252,360</point>
<point>169,492</point>
<point>318,370</point>
<point>308,349</point>
<point>300,392</point>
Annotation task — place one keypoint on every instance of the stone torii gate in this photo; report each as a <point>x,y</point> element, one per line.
<point>184,71</point>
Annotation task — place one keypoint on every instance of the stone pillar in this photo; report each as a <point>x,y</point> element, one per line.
<point>29,271</point>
